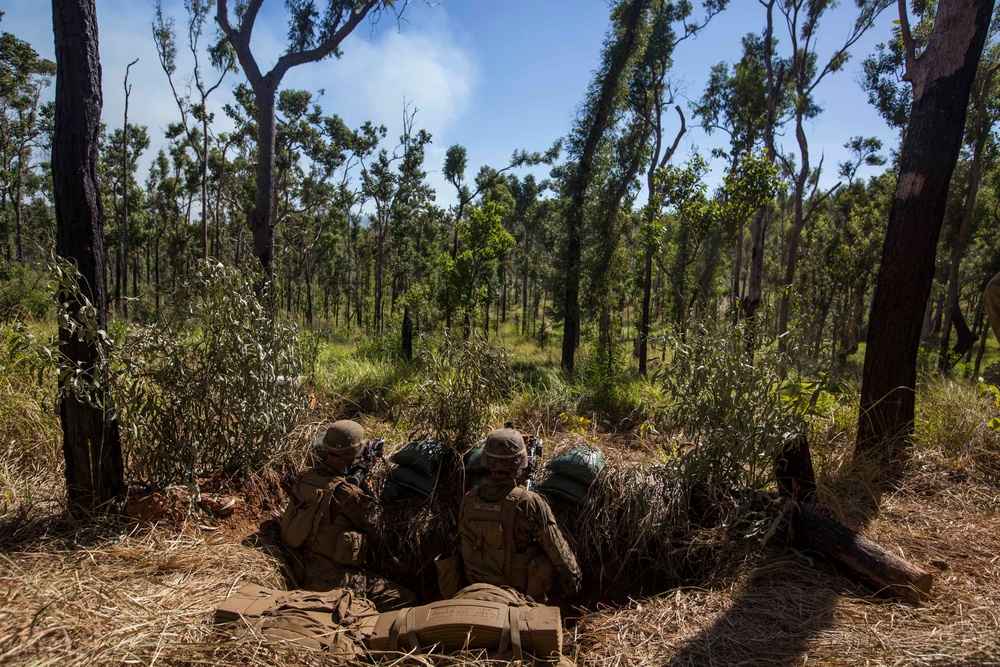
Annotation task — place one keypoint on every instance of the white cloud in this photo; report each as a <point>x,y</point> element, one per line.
<point>427,69</point>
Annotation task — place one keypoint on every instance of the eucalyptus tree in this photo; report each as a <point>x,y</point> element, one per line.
<point>121,151</point>
<point>313,34</point>
<point>91,438</point>
<point>735,103</point>
<point>484,242</point>
<point>942,75</point>
<point>698,225</point>
<point>802,18</point>
<point>23,77</point>
<point>601,109</point>
<point>395,185</point>
<point>455,165</point>
<point>617,108</point>
<point>979,138</point>
<point>221,58</point>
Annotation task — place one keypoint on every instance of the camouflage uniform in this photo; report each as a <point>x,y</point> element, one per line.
<point>351,511</point>
<point>535,529</point>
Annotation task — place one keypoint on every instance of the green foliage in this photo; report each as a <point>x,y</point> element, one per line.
<point>731,414</point>
<point>485,241</point>
<point>22,294</point>
<point>463,386</point>
<point>214,385</point>
<point>29,428</point>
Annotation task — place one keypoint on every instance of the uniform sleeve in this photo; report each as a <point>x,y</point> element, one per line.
<point>547,534</point>
<point>360,508</point>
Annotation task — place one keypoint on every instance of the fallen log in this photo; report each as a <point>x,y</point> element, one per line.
<point>886,572</point>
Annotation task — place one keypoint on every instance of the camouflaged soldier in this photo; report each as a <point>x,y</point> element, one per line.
<point>509,535</point>
<point>329,520</point>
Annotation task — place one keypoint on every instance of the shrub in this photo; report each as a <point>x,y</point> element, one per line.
<point>731,412</point>
<point>213,385</point>
<point>23,293</point>
<point>461,391</point>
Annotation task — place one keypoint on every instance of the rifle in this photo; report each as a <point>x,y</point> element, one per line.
<point>372,450</point>
<point>534,447</point>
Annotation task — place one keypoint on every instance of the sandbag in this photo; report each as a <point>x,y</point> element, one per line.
<point>458,624</point>
<point>415,480</point>
<point>560,486</point>
<point>473,459</point>
<point>581,463</point>
<point>421,455</point>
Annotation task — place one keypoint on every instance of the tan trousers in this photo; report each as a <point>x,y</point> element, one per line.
<point>992,298</point>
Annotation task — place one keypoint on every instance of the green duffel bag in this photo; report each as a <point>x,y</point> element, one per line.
<point>581,463</point>
<point>414,479</point>
<point>422,455</point>
<point>560,486</point>
<point>473,459</point>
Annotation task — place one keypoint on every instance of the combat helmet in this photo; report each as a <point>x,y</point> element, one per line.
<point>344,438</point>
<point>505,449</point>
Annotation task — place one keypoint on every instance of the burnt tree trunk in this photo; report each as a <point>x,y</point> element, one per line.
<point>942,80</point>
<point>881,569</point>
<point>91,441</point>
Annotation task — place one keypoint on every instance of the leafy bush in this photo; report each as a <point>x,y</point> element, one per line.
<point>212,386</point>
<point>23,293</point>
<point>731,413</point>
<point>461,391</point>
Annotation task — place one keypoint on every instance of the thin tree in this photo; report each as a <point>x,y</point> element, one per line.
<point>91,441</point>
<point>221,58</point>
<point>941,77</point>
<point>599,111</point>
<point>980,134</point>
<point>312,37</point>
<point>124,267</point>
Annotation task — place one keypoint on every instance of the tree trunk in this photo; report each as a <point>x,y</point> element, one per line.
<point>259,218</point>
<point>91,441</point>
<point>983,125</point>
<point>647,285</point>
<point>942,78</point>
<point>881,569</point>
<point>580,180</point>
<point>17,205</point>
<point>751,302</point>
<point>406,338</point>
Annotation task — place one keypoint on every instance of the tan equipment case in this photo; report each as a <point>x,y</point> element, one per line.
<point>332,621</point>
<point>499,623</point>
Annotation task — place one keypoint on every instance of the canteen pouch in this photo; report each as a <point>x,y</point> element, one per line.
<point>349,548</point>
<point>300,521</point>
<point>540,577</point>
<point>449,569</point>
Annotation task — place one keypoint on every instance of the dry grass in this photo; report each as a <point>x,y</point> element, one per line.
<point>112,593</point>
<point>788,611</point>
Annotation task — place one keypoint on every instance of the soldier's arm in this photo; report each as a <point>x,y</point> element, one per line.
<point>547,534</point>
<point>360,508</point>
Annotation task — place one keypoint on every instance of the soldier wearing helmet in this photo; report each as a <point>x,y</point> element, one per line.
<point>329,521</point>
<point>509,535</point>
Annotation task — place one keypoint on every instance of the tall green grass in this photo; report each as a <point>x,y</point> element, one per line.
<point>29,425</point>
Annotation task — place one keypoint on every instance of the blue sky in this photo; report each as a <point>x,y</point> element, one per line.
<point>492,76</point>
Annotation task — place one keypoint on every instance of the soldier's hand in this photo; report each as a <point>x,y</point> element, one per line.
<point>366,487</point>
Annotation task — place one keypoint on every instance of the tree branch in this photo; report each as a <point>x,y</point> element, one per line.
<point>909,48</point>
<point>291,59</point>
